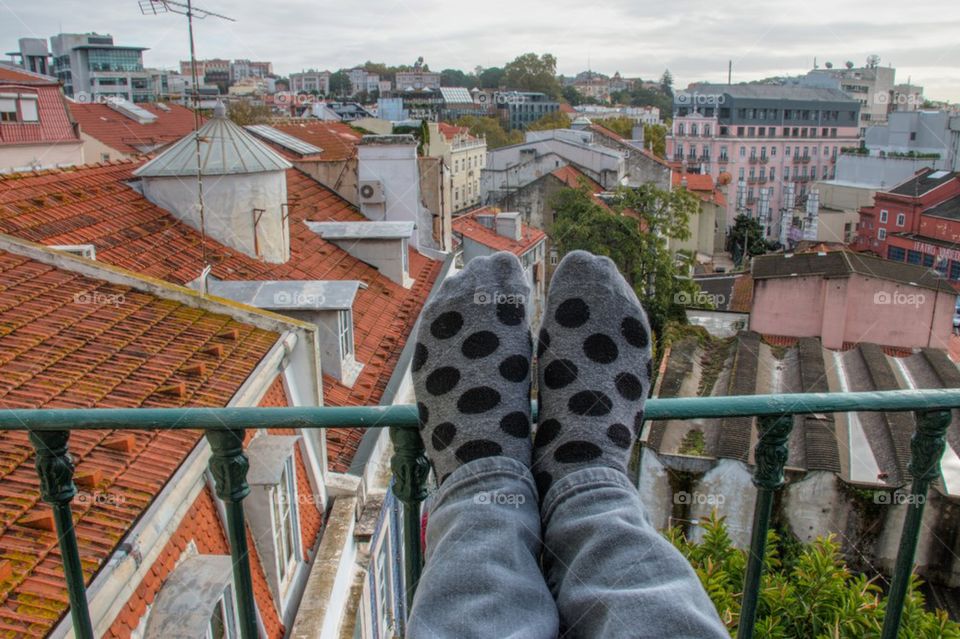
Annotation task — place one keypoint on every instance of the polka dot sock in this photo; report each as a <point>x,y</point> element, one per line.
<point>594,370</point>
<point>471,367</point>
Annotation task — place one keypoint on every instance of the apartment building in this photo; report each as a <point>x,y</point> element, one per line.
<point>771,141</point>
<point>92,68</point>
<point>310,81</point>
<point>465,155</point>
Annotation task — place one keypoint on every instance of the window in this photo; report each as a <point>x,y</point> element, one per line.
<point>554,257</point>
<point>345,320</point>
<point>743,151</point>
<point>222,622</point>
<point>773,173</point>
<point>384,594</point>
<point>901,219</point>
<point>954,270</point>
<point>881,234</point>
<point>284,527</point>
<point>28,108</point>
<point>883,216</point>
<point>404,257</point>
<point>914,257</point>
<point>927,260</point>
<point>8,108</point>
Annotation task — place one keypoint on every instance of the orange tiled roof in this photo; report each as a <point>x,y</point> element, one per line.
<point>93,205</point>
<point>67,341</point>
<point>338,140</point>
<point>613,135</point>
<point>13,74</point>
<point>572,176</point>
<point>702,185</point>
<point>467,226</point>
<point>450,131</point>
<point>128,136</point>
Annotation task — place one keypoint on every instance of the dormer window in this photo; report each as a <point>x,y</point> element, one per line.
<point>284,524</point>
<point>345,322</point>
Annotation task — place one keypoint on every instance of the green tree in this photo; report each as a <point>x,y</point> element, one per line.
<point>571,95</point>
<point>490,128</point>
<point>244,113</point>
<point>555,120</point>
<point>491,78</point>
<point>340,85</point>
<point>621,125</point>
<point>745,234</point>
<point>634,235</point>
<point>457,78</point>
<point>529,72</point>
<point>806,590</point>
<point>666,83</point>
<point>655,139</point>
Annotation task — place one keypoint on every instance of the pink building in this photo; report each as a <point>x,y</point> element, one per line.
<point>848,298</point>
<point>772,141</point>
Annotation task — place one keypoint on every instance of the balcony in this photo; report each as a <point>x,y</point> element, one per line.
<point>754,159</point>
<point>752,179</point>
<point>805,159</point>
<point>704,157</point>
<point>49,433</point>
<point>723,159</point>
<point>764,159</point>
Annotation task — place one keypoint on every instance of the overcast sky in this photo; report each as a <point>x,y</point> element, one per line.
<point>693,38</point>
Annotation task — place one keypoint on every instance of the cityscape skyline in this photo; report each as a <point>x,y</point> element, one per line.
<point>755,43</point>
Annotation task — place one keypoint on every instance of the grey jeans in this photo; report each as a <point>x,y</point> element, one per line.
<point>599,569</point>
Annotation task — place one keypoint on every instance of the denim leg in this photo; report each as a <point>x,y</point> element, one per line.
<point>611,573</point>
<point>482,576</point>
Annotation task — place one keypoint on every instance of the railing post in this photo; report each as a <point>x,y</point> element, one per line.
<point>55,468</point>
<point>410,469</point>
<point>926,450</point>
<point>229,466</point>
<point>770,456</point>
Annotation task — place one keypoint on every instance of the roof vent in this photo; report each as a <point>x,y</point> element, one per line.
<point>129,109</point>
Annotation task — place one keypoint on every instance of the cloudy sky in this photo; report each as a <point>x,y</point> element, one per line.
<point>693,38</point>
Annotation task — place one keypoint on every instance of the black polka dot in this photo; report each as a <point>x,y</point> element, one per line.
<point>543,480</point>
<point>649,369</point>
<point>478,449</point>
<point>420,355</point>
<point>515,368</point>
<point>600,348</point>
<point>572,313</point>
<point>577,451</point>
<point>516,424</point>
<point>638,423</point>
<point>480,344</point>
<point>478,400</point>
<point>620,435</point>
<point>629,386</point>
<point>633,331</point>
<point>443,435</point>
<point>544,342</point>
<point>447,325</point>
<point>423,413</point>
<point>442,380</point>
<point>590,404</point>
<point>559,373</point>
<point>546,433</point>
<point>511,314</point>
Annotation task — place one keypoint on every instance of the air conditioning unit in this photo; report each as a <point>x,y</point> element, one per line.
<point>371,192</point>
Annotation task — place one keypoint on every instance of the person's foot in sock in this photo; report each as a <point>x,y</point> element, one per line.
<point>471,366</point>
<point>594,370</point>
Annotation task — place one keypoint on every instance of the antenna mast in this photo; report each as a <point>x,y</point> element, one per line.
<point>156,7</point>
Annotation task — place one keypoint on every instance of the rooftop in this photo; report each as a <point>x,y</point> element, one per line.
<point>94,205</point>
<point>128,136</point>
<point>844,264</point>
<point>923,182</point>
<point>467,226</point>
<point>949,209</point>
<point>767,92</point>
<point>362,230</point>
<point>337,140</point>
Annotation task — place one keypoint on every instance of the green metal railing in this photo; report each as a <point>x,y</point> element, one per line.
<point>225,429</point>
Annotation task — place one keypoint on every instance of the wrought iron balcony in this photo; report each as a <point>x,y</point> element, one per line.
<point>723,159</point>
<point>764,159</point>
<point>754,159</point>
<point>225,427</point>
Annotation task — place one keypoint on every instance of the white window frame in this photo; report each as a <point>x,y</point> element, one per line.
<point>8,104</point>
<point>901,219</point>
<point>34,105</point>
<point>881,234</point>
<point>229,616</point>
<point>883,215</point>
<point>345,328</point>
<point>284,522</point>
<point>384,589</point>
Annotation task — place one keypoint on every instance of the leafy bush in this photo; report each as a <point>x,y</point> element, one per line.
<point>806,590</point>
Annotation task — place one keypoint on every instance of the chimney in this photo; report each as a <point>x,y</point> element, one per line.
<point>389,184</point>
<point>509,225</point>
<point>244,188</point>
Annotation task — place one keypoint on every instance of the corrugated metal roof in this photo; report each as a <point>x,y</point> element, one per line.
<point>225,149</point>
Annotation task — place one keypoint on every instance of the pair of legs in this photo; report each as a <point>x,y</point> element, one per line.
<point>545,538</point>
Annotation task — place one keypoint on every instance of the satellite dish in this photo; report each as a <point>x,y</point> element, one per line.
<point>873,60</point>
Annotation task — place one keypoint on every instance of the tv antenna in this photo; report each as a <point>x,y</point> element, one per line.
<point>156,7</point>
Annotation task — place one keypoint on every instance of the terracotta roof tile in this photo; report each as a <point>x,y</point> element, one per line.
<point>338,140</point>
<point>67,340</point>
<point>128,136</point>
<point>94,205</point>
<point>467,226</point>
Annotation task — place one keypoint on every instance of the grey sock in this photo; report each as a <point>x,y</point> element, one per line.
<point>594,370</point>
<point>471,368</point>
